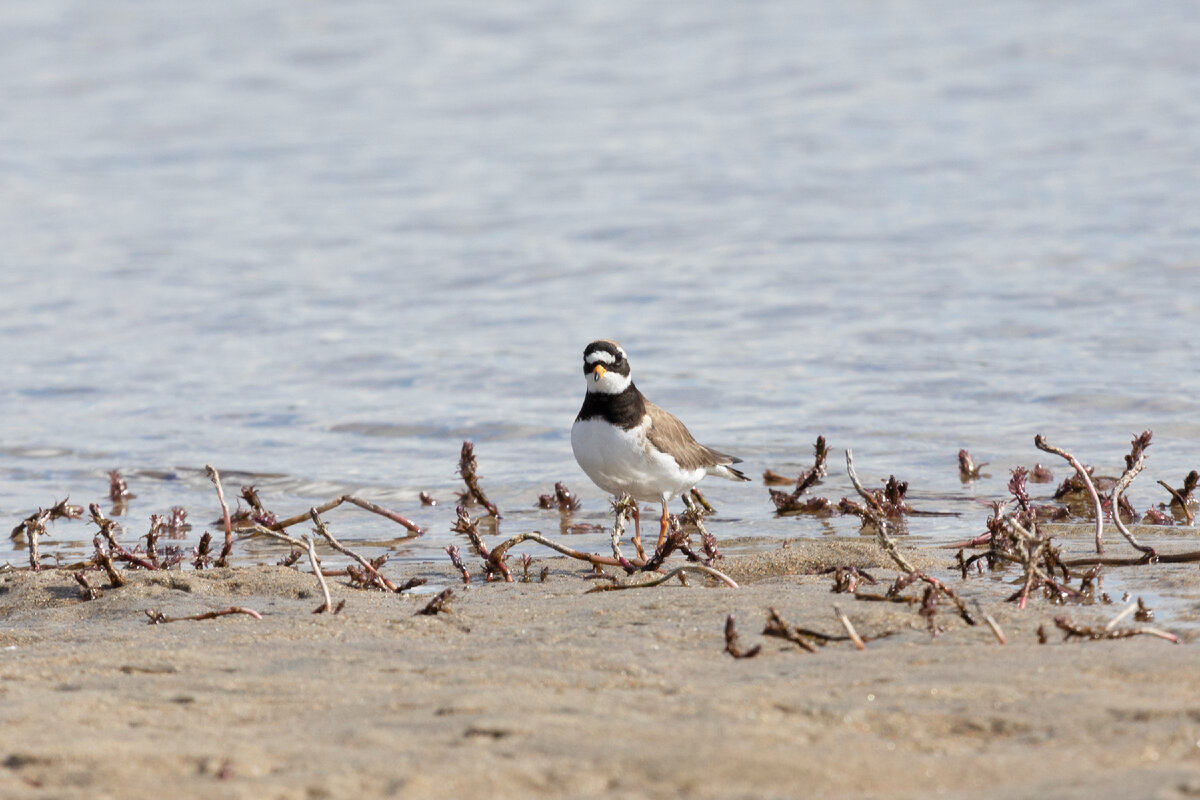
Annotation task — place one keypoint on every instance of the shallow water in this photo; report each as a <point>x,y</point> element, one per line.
<point>320,246</point>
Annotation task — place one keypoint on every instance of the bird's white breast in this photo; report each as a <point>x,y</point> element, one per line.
<point>619,460</point>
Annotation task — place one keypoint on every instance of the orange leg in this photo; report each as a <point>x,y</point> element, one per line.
<point>637,532</point>
<point>662,525</point>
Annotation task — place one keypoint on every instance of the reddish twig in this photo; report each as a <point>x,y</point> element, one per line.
<point>367,505</point>
<point>106,530</point>
<point>733,646</point>
<point>1179,499</point>
<point>438,605</point>
<point>413,528</point>
<point>968,470</point>
<point>1133,465</point>
<point>86,590</point>
<point>1040,442</point>
<point>850,631</point>
<point>376,577</point>
<point>777,626</point>
<point>105,561</point>
<point>159,618</point>
<point>456,560</point>
<point>878,517</point>
<point>227,549</point>
<point>466,469</point>
<point>1073,631</point>
<point>493,562</point>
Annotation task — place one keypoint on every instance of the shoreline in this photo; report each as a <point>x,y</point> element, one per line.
<point>541,690</point>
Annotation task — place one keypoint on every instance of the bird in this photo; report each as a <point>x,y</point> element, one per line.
<point>627,445</point>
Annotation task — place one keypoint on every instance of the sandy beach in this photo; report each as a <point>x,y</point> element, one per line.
<point>541,689</point>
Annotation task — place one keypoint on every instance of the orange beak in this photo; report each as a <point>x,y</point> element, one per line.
<point>598,372</point>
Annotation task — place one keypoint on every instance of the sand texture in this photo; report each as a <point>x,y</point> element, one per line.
<point>540,689</point>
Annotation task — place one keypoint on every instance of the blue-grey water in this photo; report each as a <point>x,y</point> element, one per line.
<point>318,245</point>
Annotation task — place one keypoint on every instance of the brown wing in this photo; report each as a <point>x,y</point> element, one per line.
<point>669,435</point>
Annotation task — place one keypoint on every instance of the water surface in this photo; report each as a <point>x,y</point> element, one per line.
<point>318,246</point>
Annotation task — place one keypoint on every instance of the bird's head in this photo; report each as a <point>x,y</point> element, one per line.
<point>605,367</point>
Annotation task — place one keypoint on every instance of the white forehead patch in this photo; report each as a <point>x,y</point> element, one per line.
<point>600,355</point>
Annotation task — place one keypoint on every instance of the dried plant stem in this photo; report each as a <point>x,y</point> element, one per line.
<point>316,565</point>
<point>1040,442</point>
<point>215,477</point>
<point>33,530</point>
<point>307,545</point>
<point>105,560</point>
<point>591,558</point>
<point>1125,612</point>
<point>336,545</point>
<point>438,605</point>
<point>1178,498</point>
<point>86,590</point>
<point>284,524</point>
<point>995,626</point>
<point>733,646</point>
<point>777,626</point>
<point>878,517</point>
<point>413,529</point>
<point>456,560</point>
<point>853,634</point>
<point>1071,630</point>
<point>367,505</point>
<point>106,526</point>
<point>466,469</point>
<point>1115,502</point>
<point>534,536</point>
<point>1133,561</point>
<point>661,579</point>
<point>159,618</point>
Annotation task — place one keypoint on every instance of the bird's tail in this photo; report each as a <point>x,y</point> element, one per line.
<point>728,472</point>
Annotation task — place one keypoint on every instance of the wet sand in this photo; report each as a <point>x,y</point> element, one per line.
<point>540,690</point>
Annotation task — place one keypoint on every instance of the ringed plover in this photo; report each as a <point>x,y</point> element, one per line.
<point>626,444</point>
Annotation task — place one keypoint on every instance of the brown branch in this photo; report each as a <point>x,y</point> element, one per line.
<point>534,536</point>
<point>1040,442</point>
<point>853,634</point>
<point>296,520</point>
<point>493,562</point>
<point>105,560</point>
<point>995,626</point>
<point>777,626</point>
<point>215,477</point>
<point>307,545</point>
<point>678,571</point>
<point>1072,631</point>
<point>159,618</point>
<point>376,577</point>
<point>412,527</point>
<point>86,590</point>
<point>1133,465</point>
<point>437,604</point>
<point>877,517</point>
<point>1180,499</point>
<point>456,560</point>
<point>316,565</point>
<point>60,510</point>
<point>733,646</point>
<point>466,469</point>
<point>33,529</point>
<point>106,530</point>
<point>968,470</point>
